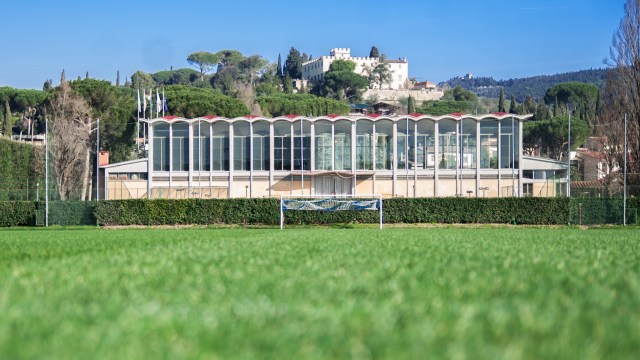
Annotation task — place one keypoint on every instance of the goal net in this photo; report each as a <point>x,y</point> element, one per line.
<point>330,203</point>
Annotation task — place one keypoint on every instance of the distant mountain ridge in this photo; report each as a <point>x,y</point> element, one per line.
<point>534,86</point>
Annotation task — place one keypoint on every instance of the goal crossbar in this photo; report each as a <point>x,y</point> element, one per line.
<point>330,203</point>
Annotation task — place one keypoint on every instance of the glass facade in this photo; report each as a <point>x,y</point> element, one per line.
<point>261,146</point>
<point>364,141</point>
<point>220,146</point>
<point>161,147</point>
<point>180,147</point>
<point>345,144</point>
<point>201,146</point>
<point>489,144</point>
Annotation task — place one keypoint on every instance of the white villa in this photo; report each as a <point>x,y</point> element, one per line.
<point>395,156</point>
<point>315,69</point>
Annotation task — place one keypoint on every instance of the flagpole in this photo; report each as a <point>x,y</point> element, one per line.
<point>138,123</point>
<point>164,102</point>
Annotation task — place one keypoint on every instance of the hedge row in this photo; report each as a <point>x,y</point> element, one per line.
<point>542,211</point>
<point>531,211</point>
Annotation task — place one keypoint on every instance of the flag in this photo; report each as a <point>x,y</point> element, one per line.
<point>144,101</point>
<point>158,104</point>
<point>138,102</point>
<point>165,108</point>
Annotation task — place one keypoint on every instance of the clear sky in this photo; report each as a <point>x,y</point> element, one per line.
<point>440,38</point>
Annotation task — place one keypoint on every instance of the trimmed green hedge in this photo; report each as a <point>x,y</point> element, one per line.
<point>540,211</point>
<point>17,213</point>
<point>530,211</point>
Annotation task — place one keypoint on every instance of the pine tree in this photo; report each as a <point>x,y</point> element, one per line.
<point>7,128</point>
<point>293,64</point>
<point>513,108</point>
<point>279,68</point>
<point>501,107</point>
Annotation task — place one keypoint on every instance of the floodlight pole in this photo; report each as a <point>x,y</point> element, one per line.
<point>569,156</point>
<point>624,189</point>
<point>98,159</point>
<point>46,172</point>
<point>281,214</point>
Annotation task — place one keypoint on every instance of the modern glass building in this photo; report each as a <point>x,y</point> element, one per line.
<point>395,156</point>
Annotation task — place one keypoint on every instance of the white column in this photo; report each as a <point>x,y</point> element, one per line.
<point>477,157</point>
<point>353,156</point>
<point>271,154</point>
<point>520,151</point>
<point>149,167</point>
<point>499,159</point>
<point>190,147</point>
<point>250,159</point>
<point>394,160</point>
<point>436,155</point>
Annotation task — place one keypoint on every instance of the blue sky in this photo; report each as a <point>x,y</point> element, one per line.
<point>441,38</point>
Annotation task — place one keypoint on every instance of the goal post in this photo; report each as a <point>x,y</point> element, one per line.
<point>330,203</point>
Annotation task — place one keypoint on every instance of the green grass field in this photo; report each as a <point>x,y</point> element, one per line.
<point>417,293</point>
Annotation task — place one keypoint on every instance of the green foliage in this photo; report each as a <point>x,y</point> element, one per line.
<point>550,136</point>
<point>538,211</point>
<point>7,121</point>
<point>293,64</point>
<point>535,86</point>
<point>374,53</point>
<point>501,106</point>
<point>460,94</point>
<point>342,84</point>
<point>17,213</point>
<point>582,96</point>
<point>279,67</point>
<point>342,65</point>
<point>380,75</point>
<point>21,168</point>
<point>444,107</point>
<point>411,105</point>
<point>301,104</point>
<point>192,102</point>
<point>287,86</point>
<point>71,213</point>
<point>204,61</point>
<point>176,77</point>
<point>513,107</point>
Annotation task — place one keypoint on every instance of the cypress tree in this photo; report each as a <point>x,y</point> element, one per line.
<point>411,105</point>
<point>501,107</point>
<point>556,107</point>
<point>287,88</point>
<point>118,78</point>
<point>8,124</point>
<point>513,108</point>
<point>279,68</point>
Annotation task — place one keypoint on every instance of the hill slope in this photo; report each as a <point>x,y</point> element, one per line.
<point>534,86</point>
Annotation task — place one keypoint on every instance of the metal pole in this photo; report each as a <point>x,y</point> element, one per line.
<point>406,155</point>
<point>98,160</point>
<point>569,158</point>
<point>281,214</point>
<point>301,157</point>
<point>46,172</point>
<point>624,188</point>
<point>380,200</point>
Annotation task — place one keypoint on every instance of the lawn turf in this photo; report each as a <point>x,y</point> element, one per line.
<point>492,293</point>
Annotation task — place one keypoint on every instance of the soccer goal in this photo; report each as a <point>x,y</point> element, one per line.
<point>330,203</point>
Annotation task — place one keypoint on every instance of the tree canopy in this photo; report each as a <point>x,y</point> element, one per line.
<point>204,61</point>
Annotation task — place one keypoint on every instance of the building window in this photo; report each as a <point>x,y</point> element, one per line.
<point>384,145</point>
<point>282,146</point>
<point>302,146</point>
<point>364,150</point>
<point>241,146</point>
<point>425,145</point>
<point>488,144</point>
<point>201,146</point>
<point>180,147</point>
<point>448,144</point>
<point>508,144</point>
<point>161,147</point>
<point>220,146</point>
<point>527,190</point>
<point>342,145</point>
<point>323,142</point>
<point>261,146</point>
<point>405,146</point>
<point>468,131</point>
